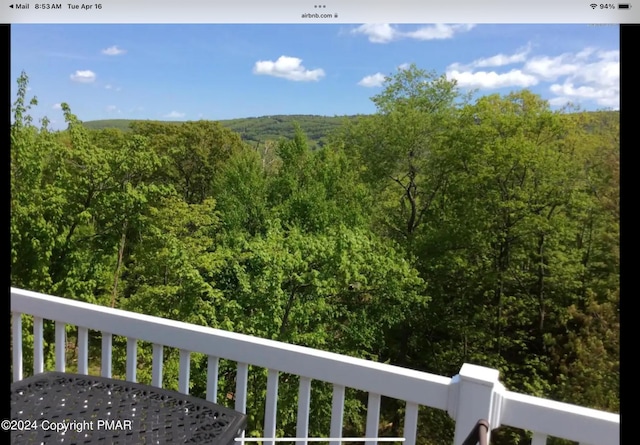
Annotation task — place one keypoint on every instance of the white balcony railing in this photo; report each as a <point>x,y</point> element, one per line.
<point>475,393</point>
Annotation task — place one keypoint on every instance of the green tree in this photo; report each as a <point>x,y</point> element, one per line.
<point>241,190</point>
<point>341,290</point>
<point>192,154</point>
<point>315,190</point>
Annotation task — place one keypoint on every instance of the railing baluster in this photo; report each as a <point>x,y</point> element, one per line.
<point>132,358</point>
<point>156,371</point>
<point>38,346</point>
<point>212,378</point>
<point>183,376</point>
<point>373,417</point>
<point>304,401</point>
<point>17,346</point>
<point>83,350</point>
<point>242,378</point>
<point>410,423</point>
<point>271,406</point>
<point>539,439</point>
<point>61,346</point>
<point>337,412</point>
<point>105,363</point>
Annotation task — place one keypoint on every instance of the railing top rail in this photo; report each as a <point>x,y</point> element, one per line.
<point>583,425</point>
<point>387,380</point>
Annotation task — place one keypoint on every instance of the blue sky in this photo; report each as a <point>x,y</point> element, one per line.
<point>191,72</point>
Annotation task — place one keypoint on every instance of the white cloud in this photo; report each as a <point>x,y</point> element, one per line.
<point>491,79</point>
<point>403,66</point>
<point>374,80</point>
<point>604,72</point>
<point>585,53</point>
<point>113,51</point>
<point>111,87</point>
<point>174,115</point>
<point>568,92</point>
<point>580,64</point>
<point>385,33</point>
<point>493,61</point>
<point>550,68</point>
<point>112,109</point>
<point>466,76</point>
<point>286,67</point>
<point>57,106</point>
<point>83,76</point>
<point>587,75</point>
<point>613,55</point>
<point>437,32</point>
<point>377,33</point>
<point>503,59</point>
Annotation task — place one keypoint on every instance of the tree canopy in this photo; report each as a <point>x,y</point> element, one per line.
<point>437,231</point>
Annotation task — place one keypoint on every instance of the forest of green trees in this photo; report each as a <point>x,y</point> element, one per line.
<point>257,130</point>
<point>440,230</point>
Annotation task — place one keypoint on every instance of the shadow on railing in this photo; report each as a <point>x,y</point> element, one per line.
<point>479,434</point>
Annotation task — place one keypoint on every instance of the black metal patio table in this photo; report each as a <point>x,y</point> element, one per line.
<point>57,407</point>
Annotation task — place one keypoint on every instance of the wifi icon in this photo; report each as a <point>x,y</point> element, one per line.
<point>593,5</point>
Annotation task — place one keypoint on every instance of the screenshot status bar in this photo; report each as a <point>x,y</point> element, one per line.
<point>320,11</point>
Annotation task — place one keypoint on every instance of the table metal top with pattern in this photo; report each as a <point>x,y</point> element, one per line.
<point>57,407</point>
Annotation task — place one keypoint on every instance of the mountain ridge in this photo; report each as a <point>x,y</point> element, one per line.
<point>253,129</point>
<point>275,127</point>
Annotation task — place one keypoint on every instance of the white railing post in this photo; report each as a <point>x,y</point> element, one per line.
<point>475,394</point>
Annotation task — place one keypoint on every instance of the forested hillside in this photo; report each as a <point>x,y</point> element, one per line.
<point>257,130</point>
<point>437,231</point>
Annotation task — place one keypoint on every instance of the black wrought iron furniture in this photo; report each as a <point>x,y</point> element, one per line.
<point>57,407</point>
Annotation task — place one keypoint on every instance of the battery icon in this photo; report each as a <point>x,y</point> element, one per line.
<point>623,6</point>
